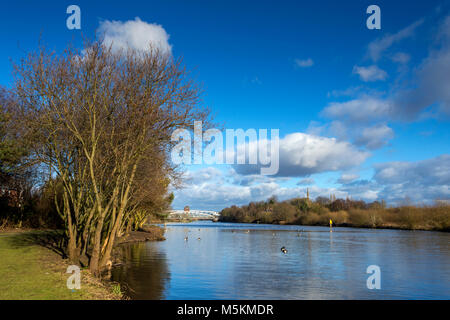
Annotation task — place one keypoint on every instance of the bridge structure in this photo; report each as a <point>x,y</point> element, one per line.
<point>194,214</point>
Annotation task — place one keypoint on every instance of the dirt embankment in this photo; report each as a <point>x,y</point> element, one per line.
<point>146,233</point>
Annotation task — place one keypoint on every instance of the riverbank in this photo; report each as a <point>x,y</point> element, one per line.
<point>308,213</point>
<point>31,268</point>
<point>348,225</point>
<point>146,233</point>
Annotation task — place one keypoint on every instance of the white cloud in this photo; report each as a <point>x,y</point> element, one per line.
<point>356,131</point>
<point>430,87</point>
<point>363,109</point>
<point>375,137</point>
<point>347,178</point>
<point>339,130</point>
<point>315,128</point>
<point>303,154</point>
<point>354,128</point>
<point>202,175</point>
<point>304,63</point>
<point>421,181</point>
<point>378,47</point>
<point>370,73</point>
<point>433,87</point>
<point>427,92</point>
<point>435,171</point>
<point>425,180</point>
<point>216,196</point>
<point>362,190</point>
<point>134,34</point>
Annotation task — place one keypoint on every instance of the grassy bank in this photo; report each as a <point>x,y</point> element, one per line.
<point>31,267</point>
<point>345,213</point>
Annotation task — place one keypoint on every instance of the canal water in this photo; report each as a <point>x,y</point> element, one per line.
<point>244,261</point>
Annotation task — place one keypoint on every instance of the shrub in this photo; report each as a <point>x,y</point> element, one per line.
<point>284,211</point>
<point>339,217</point>
<point>354,213</point>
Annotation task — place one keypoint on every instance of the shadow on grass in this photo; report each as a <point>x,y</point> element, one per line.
<point>53,240</point>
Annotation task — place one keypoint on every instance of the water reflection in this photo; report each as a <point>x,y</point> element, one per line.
<point>241,261</point>
<point>144,274</point>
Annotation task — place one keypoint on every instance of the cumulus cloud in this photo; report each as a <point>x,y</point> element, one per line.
<point>304,63</point>
<point>302,154</point>
<point>347,178</point>
<point>358,132</point>
<point>216,196</point>
<point>201,176</point>
<point>366,190</point>
<point>217,191</point>
<point>425,180</point>
<point>370,73</point>
<point>421,181</point>
<point>432,85</point>
<point>339,130</point>
<point>247,180</point>
<point>435,171</point>
<point>377,47</point>
<point>362,109</point>
<point>135,34</point>
<point>375,137</point>
<point>213,196</point>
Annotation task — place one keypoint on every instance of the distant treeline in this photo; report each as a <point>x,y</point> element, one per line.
<point>348,213</point>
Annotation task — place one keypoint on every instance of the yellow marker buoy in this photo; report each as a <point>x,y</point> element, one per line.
<point>331,225</point>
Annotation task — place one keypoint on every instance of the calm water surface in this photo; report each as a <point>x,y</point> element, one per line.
<point>244,261</point>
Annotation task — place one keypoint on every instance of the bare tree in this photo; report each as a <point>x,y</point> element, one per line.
<point>101,122</point>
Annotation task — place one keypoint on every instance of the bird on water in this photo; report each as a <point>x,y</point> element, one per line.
<point>284,250</point>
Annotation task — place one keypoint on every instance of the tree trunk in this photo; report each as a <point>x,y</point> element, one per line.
<point>95,257</point>
<point>73,251</point>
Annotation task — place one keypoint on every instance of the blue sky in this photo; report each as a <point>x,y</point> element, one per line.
<point>376,101</point>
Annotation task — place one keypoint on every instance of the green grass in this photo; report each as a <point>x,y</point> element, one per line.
<point>32,271</point>
<point>116,289</point>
